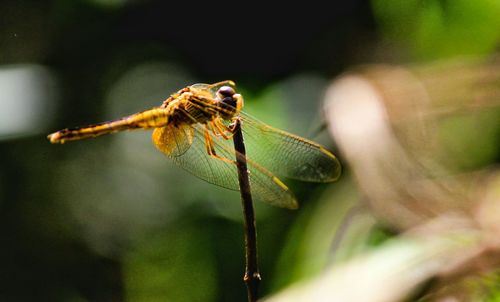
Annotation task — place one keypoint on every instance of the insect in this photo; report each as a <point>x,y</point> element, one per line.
<point>194,127</point>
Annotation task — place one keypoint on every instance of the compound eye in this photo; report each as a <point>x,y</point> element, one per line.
<point>226,91</point>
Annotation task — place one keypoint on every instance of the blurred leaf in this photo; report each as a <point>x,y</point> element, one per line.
<point>391,272</point>
<point>470,141</point>
<point>312,243</point>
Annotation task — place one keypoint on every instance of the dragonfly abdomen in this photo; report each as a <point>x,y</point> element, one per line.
<point>156,117</point>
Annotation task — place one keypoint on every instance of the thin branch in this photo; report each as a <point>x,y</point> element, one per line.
<point>252,275</point>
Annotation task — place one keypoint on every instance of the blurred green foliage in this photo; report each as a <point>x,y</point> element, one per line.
<point>472,149</point>
<point>434,29</point>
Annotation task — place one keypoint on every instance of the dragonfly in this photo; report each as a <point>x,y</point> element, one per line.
<point>194,126</point>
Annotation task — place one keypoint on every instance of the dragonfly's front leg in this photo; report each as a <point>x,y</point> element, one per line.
<point>210,147</point>
<point>220,129</point>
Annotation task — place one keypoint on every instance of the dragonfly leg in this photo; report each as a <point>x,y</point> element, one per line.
<point>222,129</point>
<point>208,143</point>
<point>211,127</point>
<point>211,150</point>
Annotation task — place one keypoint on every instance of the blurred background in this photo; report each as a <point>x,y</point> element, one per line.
<point>409,92</point>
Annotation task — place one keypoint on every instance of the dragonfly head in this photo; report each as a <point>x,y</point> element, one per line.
<point>230,101</point>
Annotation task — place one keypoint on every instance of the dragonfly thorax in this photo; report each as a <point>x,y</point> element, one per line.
<point>193,105</point>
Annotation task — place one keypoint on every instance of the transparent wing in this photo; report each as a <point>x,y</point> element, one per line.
<point>281,152</point>
<point>264,185</point>
<point>196,160</point>
<point>287,154</point>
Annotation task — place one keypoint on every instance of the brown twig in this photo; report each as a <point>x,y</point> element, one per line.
<point>252,275</point>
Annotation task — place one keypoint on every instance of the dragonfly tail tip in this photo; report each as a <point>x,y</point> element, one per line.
<point>55,138</point>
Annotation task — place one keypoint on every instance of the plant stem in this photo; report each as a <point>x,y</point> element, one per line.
<point>252,275</point>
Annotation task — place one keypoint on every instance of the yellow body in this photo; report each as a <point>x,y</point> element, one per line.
<point>180,108</point>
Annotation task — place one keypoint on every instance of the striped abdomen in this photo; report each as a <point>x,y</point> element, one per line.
<point>156,117</point>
